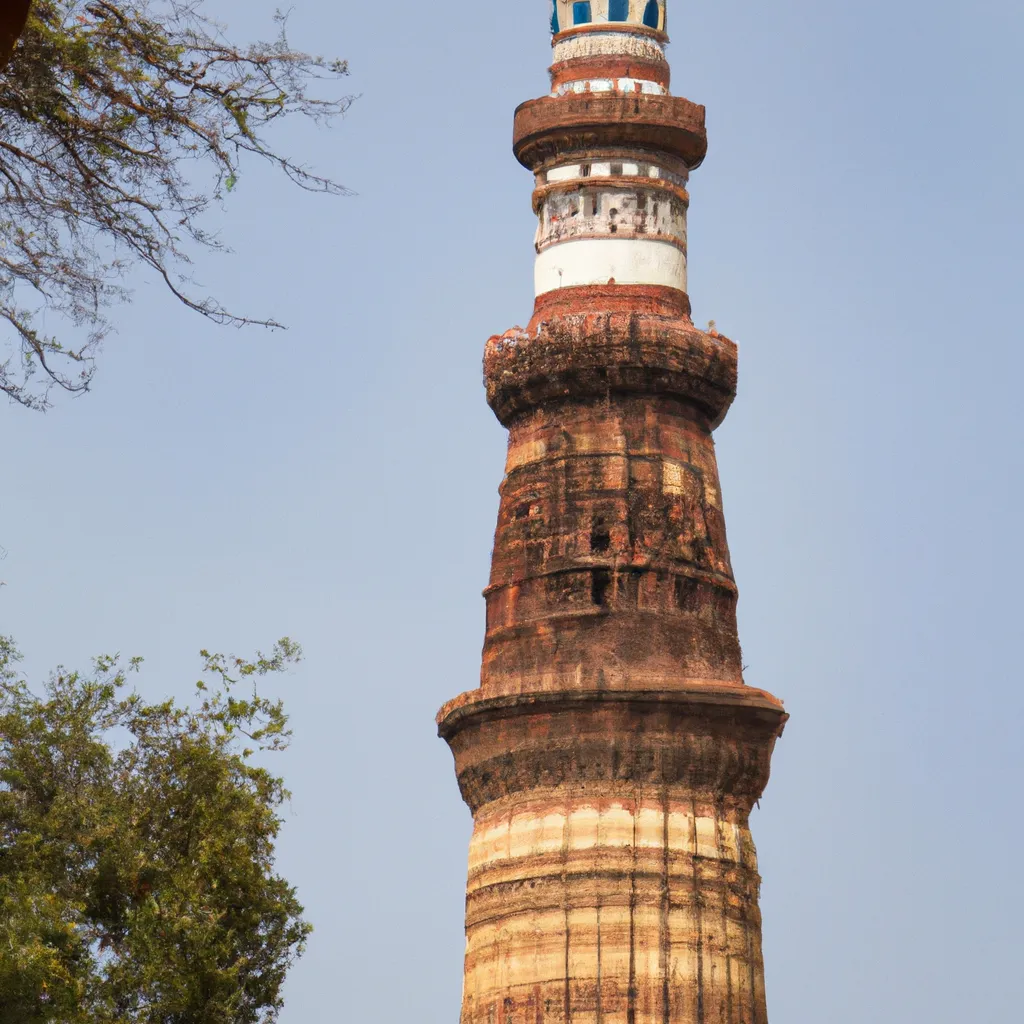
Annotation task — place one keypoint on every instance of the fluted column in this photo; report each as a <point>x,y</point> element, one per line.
<point>612,876</point>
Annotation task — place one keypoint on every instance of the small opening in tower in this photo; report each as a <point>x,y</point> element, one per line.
<point>600,537</point>
<point>629,586</point>
<point>651,13</point>
<point>595,204</point>
<point>687,589</point>
<point>581,12</point>
<point>616,169</point>
<point>600,581</point>
<point>584,170</point>
<point>618,10</point>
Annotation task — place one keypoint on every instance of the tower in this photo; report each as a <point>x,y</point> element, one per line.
<point>612,752</point>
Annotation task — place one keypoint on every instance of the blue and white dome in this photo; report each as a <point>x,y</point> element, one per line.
<point>567,15</point>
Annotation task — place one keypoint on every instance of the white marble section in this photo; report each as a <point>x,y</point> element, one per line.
<point>611,85</point>
<point>600,260</point>
<point>610,211</point>
<point>603,168</point>
<point>600,44</point>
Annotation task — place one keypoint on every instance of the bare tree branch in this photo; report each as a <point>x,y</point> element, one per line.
<point>107,107</point>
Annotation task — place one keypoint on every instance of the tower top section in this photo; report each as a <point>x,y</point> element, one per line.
<point>644,17</point>
<point>611,151</point>
<point>608,46</point>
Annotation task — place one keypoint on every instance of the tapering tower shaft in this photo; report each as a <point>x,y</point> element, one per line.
<point>612,753</point>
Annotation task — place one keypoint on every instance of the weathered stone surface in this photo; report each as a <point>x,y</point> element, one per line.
<point>551,127</point>
<point>612,751</point>
<point>591,355</point>
<point>612,876</point>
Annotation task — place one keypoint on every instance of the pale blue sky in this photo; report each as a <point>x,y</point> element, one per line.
<point>856,227</point>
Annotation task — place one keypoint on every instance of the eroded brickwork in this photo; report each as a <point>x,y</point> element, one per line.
<point>612,752</point>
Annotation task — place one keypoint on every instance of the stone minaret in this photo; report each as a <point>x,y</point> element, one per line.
<point>612,753</point>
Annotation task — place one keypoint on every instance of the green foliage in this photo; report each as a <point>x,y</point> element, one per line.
<point>109,112</point>
<point>137,875</point>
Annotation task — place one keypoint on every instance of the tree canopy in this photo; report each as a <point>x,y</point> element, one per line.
<point>137,879</point>
<point>121,121</point>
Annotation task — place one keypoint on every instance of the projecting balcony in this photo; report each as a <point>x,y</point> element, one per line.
<point>552,127</point>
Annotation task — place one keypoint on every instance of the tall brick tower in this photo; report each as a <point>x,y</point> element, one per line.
<point>612,752</point>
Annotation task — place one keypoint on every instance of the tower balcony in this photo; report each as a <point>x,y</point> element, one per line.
<point>565,354</point>
<point>550,128</point>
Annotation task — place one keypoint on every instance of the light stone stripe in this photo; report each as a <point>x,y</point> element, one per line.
<point>573,895</point>
<point>596,261</point>
<point>629,85</point>
<point>611,443</point>
<point>600,44</point>
<point>603,169</point>
<point>616,826</point>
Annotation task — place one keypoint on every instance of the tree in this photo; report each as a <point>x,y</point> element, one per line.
<point>111,111</point>
<point>137,877</point>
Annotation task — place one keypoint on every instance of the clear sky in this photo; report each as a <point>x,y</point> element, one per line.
<point>856,226</point>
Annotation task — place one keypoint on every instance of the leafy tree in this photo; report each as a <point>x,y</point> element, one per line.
<point>112,115</point>
<point>137,877</point>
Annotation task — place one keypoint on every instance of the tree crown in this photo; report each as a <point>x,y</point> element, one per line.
<point>137,878</point>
